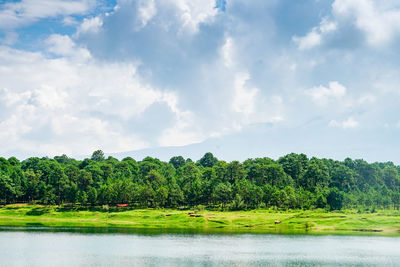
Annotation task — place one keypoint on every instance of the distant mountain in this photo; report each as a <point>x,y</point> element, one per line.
<point>264,140</point>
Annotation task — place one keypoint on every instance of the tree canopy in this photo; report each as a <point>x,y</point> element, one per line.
<point>292,182</point>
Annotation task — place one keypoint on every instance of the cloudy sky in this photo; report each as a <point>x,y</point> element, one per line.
<point>240,78</point>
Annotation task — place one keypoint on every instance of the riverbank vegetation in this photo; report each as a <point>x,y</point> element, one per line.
<point>383,222</point>
<point>292,182</point>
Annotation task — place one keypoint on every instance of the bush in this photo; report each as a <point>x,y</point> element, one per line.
<point>237,203</point>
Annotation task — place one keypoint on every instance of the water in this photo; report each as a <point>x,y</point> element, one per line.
<point>63,247</point>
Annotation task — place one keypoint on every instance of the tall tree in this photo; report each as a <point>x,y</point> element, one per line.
<point>98,155</point>
<point>177,161</point>
<point>208,160</point>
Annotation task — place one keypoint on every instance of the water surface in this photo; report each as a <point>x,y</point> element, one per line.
<point>64,247</point>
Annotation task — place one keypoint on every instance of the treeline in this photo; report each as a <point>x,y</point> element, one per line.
<point>291,182</point>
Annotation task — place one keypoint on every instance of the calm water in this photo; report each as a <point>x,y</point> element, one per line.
<point>77,248</point>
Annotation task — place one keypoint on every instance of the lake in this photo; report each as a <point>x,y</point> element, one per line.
<point>107,247</point>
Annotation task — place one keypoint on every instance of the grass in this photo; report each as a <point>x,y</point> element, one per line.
<point>385,222</point>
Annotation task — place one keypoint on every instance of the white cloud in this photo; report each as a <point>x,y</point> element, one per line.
<point>90,90</point>
<point>62,45</point>
<point>315,36</point>
<point>367,98</point>
<point>10,38</point>
<point>70,21</point>
<point>146,11</point>
<point>49,97</point>
<point>327,26</point>
<point>227,52</point>
<point>322,95</point>
<point>197,67</point>
<point>244,98</point>
<point>192,13</point>
<point>16,14</point>
<point>380,20</point>
<point>248,104</point>
<point>67,105</point>
<point>90,25</point>
<point>349,123</point>
<point>184,132</point>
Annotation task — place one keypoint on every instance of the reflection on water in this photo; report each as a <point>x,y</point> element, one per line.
<point>119,247</point>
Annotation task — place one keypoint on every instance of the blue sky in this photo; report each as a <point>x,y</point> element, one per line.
<point>237,78</point>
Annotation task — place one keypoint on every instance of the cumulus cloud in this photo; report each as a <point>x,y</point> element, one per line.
<point>10,38</point>
<point>315,36</point>
<point>146,11</point>
<point>180,16</point>
<point>379,21</point>
<point>171,73</point>
<point>16,14</point>
<point>244,98</point>
<point>322,95</point>
<point>68,105</point>
<point>227,51</point>
<point>69,21</point>
<point>90,25</point>
<point>71,95</point>
<point>183,46</point>
<point>75,104</point>
<point>387,81</point>
<point>63,45</point>
<point>192,13</point>
<point>367,98</point>
<point>345,124</point>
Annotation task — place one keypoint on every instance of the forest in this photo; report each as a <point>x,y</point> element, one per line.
<point>294,181</point>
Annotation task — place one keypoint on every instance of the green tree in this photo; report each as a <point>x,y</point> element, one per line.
<point>84,180</point>
<point>316,175</point>
<point>6,189</point>
<point>98,155</point>
<point>391,178</point>
<point>342,177</point>
<point>147,195</point>
<point>92,195</point>
<point>208,160</point>
<point>175,195</point>
<point>222,194</point>
<point>82,197</point>
<point>161,196</point>
<point>294,165</point>
<point>335,199</point>
<point>177,161</point>
<point>234,172</point>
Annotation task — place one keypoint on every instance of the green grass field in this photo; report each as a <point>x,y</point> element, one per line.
<point>385,222</point>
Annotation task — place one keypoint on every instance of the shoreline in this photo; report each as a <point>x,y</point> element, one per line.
<point>164,221</point>
<point>182,231</point>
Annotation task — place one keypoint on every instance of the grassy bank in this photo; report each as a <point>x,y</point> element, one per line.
<point>256,221</point>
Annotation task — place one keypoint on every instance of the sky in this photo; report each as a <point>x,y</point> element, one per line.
<point>239,78</point>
